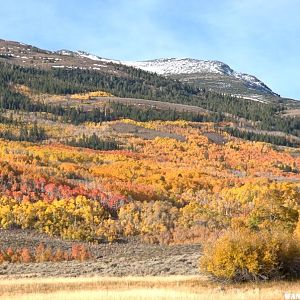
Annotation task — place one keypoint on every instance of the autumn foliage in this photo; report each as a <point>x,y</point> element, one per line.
<point>242,255</point>
<point>182,183</point>
<point>44,254</point>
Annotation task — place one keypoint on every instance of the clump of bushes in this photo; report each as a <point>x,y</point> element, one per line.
<point>154,221</point>
<point>243,255</point>
<point>44,254</point>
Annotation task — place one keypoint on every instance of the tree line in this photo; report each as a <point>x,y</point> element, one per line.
<point>261,137</point>
<point>131,82</point>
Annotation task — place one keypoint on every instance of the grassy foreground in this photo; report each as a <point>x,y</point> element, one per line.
<point>142,288</point>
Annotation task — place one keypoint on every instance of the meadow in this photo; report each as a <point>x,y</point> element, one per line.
<point>145,288</point>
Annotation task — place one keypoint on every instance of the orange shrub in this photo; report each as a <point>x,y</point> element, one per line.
<point>44,254</point>
<point>80,252</point>
<point>25,255</point>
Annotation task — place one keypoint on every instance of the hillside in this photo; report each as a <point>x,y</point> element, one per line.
<point>113,170</point>
<point>212,75</point>
<point>161,182</point>
<point>65,72</point>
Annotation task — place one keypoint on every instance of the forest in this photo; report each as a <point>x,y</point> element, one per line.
<point>134,83</point>
<point>113,172</point>
<point>163,190</point>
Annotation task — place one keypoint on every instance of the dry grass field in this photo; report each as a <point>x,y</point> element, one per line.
<point>142,288</point>
<point>130,258</point>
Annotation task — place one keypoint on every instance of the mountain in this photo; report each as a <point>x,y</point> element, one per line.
<point>31,56</point>
<point>207,75</point>
<point>64,73</point>
<point>210,75</point>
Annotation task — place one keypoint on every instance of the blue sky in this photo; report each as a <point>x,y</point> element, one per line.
<point>259,37</point>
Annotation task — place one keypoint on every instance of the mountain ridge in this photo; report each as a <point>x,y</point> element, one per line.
<point>182,66</point>
<point>177,66</point>
<point>208,74</point>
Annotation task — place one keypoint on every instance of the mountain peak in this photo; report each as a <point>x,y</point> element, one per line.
<point>190,66</point>
<point>171,66</point>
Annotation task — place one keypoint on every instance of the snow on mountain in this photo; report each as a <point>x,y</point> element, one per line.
<point>64,52</point>
<point>88,55</point>
<point>95,57</point>
<point>174,66</point>
<point>171,66</point>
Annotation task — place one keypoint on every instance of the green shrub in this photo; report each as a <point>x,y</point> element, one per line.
<point>243,255</point>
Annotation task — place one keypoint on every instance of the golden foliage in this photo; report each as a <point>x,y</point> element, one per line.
<point>243,254</point>
<point>89,95</point>
<point>155,221</point>
<point>163,189</point>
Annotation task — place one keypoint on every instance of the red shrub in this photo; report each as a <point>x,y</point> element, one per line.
<point>25,255</point>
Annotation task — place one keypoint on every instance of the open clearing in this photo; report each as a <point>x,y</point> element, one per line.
<point>98,102</point>
<point>142,288</point>
<point>127,258</point>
